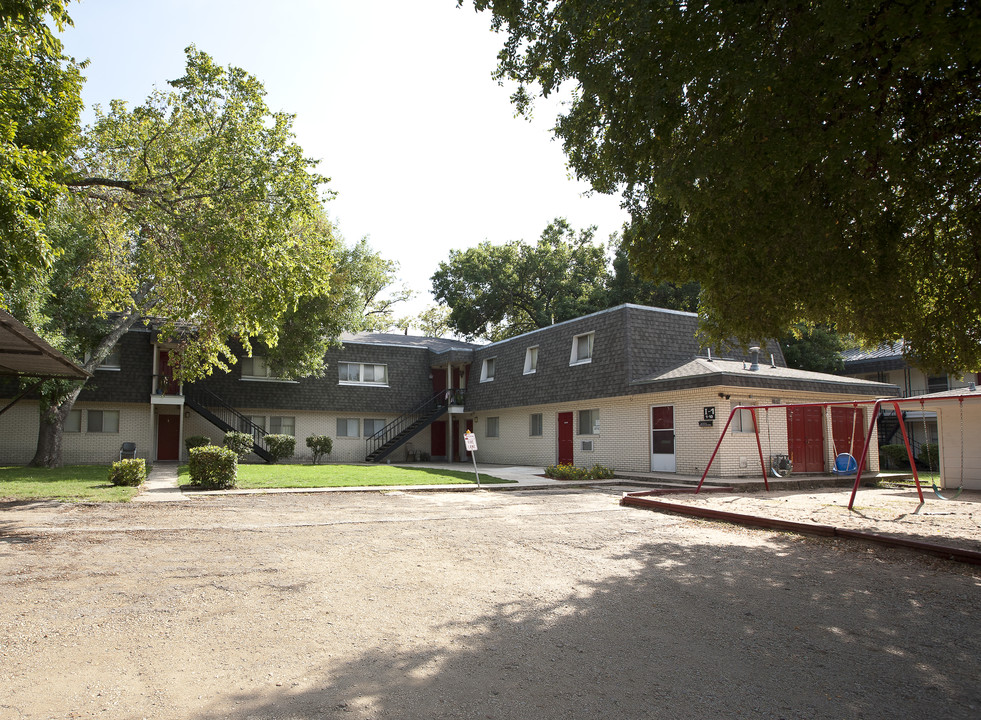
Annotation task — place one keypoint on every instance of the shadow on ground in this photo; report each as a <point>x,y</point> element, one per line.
<point>793,629</point>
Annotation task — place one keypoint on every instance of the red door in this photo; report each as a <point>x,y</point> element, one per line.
<point>805,438</point>
<point>166,380</point>
<point>437,439</point>
<point>168,437</point>
<point>565,439</point>
<point>847,430</point>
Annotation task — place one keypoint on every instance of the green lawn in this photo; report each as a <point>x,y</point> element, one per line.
<point>74,483</point>
<point>316,476</point>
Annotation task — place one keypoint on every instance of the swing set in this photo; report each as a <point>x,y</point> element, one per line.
<point>845,463</point>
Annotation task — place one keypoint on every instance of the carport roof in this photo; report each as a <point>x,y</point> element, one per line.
<point>23,353</point>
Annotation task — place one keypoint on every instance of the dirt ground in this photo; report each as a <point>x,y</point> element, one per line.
<point>485,604</point>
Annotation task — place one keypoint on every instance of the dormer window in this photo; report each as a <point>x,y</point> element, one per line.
<point>487,370</point>
<point>582,349</point>
<point>256,367</point>
<point>349,373</point>
<point>531,360</point>
<point>109,362</point>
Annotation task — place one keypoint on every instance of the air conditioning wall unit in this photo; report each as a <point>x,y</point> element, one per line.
<point>587,445</point>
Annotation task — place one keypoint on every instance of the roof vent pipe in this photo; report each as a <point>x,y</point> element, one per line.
<point>755,364</point>
<point>710,354</point>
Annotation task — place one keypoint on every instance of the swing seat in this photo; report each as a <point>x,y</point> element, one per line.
<point>936,492</point>
<point>845,464</point>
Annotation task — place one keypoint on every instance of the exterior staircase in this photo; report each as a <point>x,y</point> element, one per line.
<point>222,415</point>
<point>398,432</point>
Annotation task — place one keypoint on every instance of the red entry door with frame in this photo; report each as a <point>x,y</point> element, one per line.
<point>167,382</point>
<point>168,437</point>
<point>566,449</point>
<point>805,438</point>
<point>848,431</point>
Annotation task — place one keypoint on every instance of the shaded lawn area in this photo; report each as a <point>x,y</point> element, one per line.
<point>316,476</point>
<point>73,483</point>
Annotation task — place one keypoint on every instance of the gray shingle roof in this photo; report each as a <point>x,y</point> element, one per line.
<point>398,340</point>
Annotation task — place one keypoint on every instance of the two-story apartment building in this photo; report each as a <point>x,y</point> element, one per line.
<point>887,364</point>
<point>627,387</point>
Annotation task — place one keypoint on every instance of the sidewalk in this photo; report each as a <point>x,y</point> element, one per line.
<point>161,484</point>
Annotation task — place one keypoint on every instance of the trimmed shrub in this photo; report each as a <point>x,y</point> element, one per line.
<point>601,472</point>
<point>571,472</point>
<point>196,441</point>
<point>929,455</point>
<point>894,455</point>
<point>321,445</point>
<point>239,443</point>
<point>280,446</point>
<point>130,472</point>
<point>212,467</point>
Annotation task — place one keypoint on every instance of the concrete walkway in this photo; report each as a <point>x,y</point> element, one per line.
<point>161,484</point>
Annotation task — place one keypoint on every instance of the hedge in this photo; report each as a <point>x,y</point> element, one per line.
<point>280,446</point>
<point>130,472</point>
<point>321,445</point>
<point>212,467</point>
<point>238,442</point>
<point>196,441</point>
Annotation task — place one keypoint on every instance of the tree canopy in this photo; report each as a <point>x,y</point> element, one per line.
<point>815,162</point>
<point>198,209</point>
<point>498,291</point>
<point>40,103</point>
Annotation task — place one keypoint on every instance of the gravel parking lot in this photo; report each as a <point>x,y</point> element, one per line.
<point>485,604</point>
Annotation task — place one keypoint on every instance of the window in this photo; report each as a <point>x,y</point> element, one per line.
<point>347,427</point>
<point>103,421</point>
<point>372,426</point>
<point>258,420</point>
<point>493,426</point>
<point>282,425</point>
<point>742,421</point>
<point>349,373</point>
<point>73,423</point>
<point>531,360</point>
<point>582,349</point>
<point>937,383</point>
<point>487,370</point>
<point>535,426</point>
<point>256,367</point>
<point>110,362</point>
<point>589,422</point>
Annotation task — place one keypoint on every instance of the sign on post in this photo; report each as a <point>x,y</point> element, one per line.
<point>470,443</point>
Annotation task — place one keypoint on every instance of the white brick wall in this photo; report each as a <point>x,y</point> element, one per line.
<point>623,442</point>
<point>346,449</point>
<point>19,427</point>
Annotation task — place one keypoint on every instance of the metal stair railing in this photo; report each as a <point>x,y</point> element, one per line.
<point>229,418</point>
<point>403,423</point>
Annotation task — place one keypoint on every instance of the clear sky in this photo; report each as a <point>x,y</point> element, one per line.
<point>394,97</point>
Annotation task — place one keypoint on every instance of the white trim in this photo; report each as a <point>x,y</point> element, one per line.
<point>256,378</point>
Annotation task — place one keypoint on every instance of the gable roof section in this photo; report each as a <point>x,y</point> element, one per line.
<point>702,372</point>
<point>23,353</point>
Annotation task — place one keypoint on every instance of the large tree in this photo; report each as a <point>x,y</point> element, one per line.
<point>802,161</point>
<point>627,286</point>
<point>39,107</point>
<point>196,207</point>
<point>499,291</point>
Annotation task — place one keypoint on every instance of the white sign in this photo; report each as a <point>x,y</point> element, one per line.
<point>470,441</point>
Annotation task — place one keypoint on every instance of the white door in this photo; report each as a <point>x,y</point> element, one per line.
<point>662,438</point>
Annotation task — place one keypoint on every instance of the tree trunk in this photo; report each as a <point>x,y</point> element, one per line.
<point>54,410</point>
<point>51,428</point>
